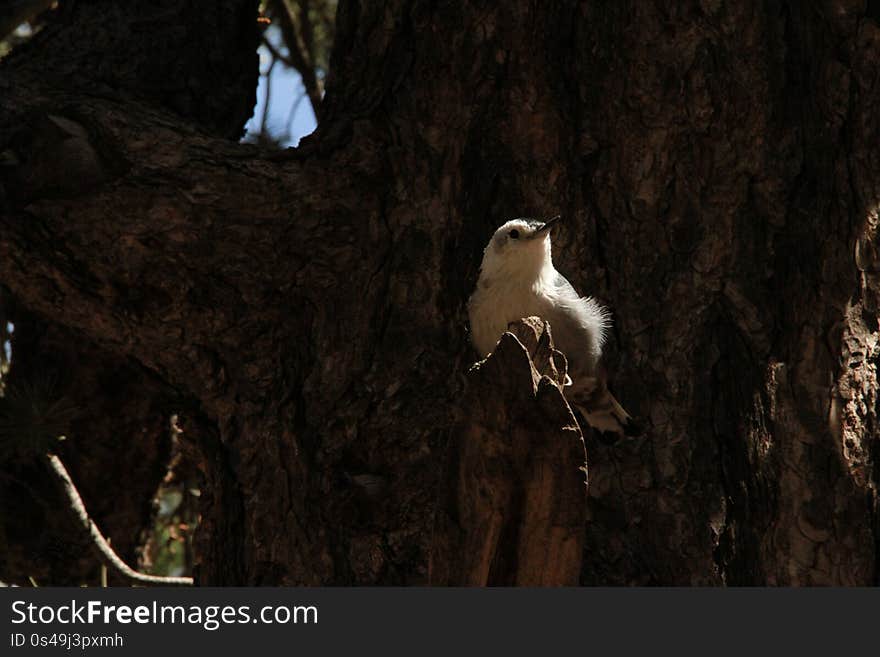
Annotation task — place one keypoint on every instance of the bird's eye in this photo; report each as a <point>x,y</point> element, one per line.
<point>514,234</point>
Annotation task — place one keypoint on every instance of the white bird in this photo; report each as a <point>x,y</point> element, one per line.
<point>517,279</point>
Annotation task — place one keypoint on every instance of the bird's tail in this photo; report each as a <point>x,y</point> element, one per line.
<point>602,411</point>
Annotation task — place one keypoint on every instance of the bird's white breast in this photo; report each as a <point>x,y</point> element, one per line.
<point>495,304</point>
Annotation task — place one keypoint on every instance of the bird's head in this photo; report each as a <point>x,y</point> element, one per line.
<point>521,247</point>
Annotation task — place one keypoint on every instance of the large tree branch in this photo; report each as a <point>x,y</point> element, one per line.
<point>206,241</point>
<point>206,69</point>
<point>211,265</point>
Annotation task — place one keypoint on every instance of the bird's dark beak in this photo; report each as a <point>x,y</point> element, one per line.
<point>550,223</point>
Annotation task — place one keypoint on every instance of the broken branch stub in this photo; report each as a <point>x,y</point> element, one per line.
<point>513,505</point>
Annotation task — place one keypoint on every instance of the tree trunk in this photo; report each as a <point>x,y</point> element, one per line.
<point>118,448</point>
<point>718,169</point>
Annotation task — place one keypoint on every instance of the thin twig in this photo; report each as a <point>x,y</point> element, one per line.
<point>299,57</point>
<point>306,29</point>
<point>98,541</point>
<point>292,113</point>
<point>267,97</point>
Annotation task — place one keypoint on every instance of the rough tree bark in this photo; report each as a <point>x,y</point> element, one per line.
<point>118,447</point>
<point>513,504</point>
<point>718,166</point>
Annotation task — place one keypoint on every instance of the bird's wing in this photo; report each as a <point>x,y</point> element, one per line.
<point>563,288</point>
<point>589,314</point>
<point>565,292</point>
